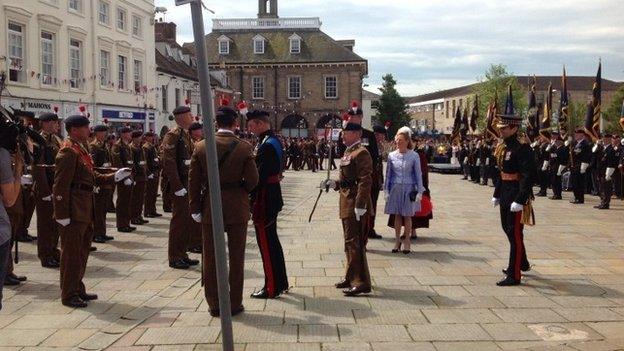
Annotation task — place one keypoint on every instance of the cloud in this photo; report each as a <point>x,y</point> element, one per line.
<point>432,45</point>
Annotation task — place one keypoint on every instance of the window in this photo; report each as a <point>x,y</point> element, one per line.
<point>295,45</point>
<point>138,76</point>
<point>136,25</point>
<point>104,13</point>
<point>294,87</point>
<point>257,87</point>
<point>47,58</point>
<point>224,47</point>
<point>122,70</point>
<point>331,87</point>
<point>75,5</point>
<point>16,52</point>
<point>121,19</point>
<point>75,64</point>
<point>258,46</point>
<point>104,68</point>
<point>177,97</point>
<point>164,97</point>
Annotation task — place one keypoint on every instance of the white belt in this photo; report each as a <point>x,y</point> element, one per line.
<point>142,163</point>
<point>156,159</point>
<point>130,162</point>
<point>187,162</point>
<point>106,165</point>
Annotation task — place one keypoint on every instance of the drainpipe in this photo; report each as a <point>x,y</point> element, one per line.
<point>276,90</point>
<point>94,62</point>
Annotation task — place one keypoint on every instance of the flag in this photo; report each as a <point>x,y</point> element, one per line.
<point>464,124</point>
<point>564,118</point>
<point>533,114</point>
<point>622,116</point>
<point>455,137</point>
<point>474,116</point>
<point>592,128</point>
<point>491,130</point>
<point>545,124</point>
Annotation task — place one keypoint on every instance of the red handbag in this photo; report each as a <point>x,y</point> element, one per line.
<point>426,206</point>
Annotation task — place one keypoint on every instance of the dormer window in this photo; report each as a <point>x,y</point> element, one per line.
<point>224,45</point>
<point>295,44</point>
<point>258,43</point>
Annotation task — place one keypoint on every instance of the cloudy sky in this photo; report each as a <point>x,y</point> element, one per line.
<point>430,45</point>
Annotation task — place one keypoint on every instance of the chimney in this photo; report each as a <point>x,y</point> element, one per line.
<point>165,31</point>
<point>349,44</point>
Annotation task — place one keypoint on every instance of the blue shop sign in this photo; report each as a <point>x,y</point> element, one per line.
<point>114,114</point>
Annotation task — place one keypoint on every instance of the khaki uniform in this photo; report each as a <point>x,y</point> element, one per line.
<point>122,157</point>
<point>153,174</point>
<point>238,176</point>
<point>165,188</point>
<point>101,158</point>
<point>356,168</point>
<point>74,182</point>
<point>140,179</point>
<point>47,231</point>
<point>177,150</point>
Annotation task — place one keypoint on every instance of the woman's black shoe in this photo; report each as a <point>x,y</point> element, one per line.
<point>405,252</point>
<point>395,250</point>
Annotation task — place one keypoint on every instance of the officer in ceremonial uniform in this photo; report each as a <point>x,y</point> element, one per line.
<point>609,164</point>
<point>153,175</point>
<point>177,148</point>
<point>557,162</point>
<point>514,192</point>
<point>266,204</point>
<point>354,185</point>
<point>74,182</point>
<point>43,174</point>
<point>140,179</point>
<point>581,157</point>
<point>101,159</point>
<point>238,177</point>
<point>122,157</point>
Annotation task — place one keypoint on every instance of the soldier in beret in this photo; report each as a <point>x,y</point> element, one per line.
<point>139,177</point>
<point>559,155</point>
<point>580,160</point>
<point>43,174</point>
<point>153,175</point>
<point>195,241</point>
<point>196,132</point>
<point>101,159</point>
<point>607,171</point>
<point>122,157</point>
<point>177,148</point>
<point>74,180</point>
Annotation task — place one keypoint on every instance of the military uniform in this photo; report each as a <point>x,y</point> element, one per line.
<point>43,174</point>
<point>609,165</point>
<point>122,157</point>
<point>558,160</point>
<point>140,179</point>
<point>543,161</point>
<point>153,175</point>
<point>581,158</point>
<point>101,159</point>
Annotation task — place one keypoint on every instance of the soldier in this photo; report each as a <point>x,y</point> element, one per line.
<point>581,157</point>
<point>609,164</point>
<point>542,151</point>
<point>558,160</point>
<point>101,159</point>
<point>596,168</point>
<point>177,148</point>
<point>377,178</point>
<point>74,182</point>
<point>354,185</point>
<point>122,157</point>
<point>266,205</point>
<point>110,142</point>
<point>43,174</point>
<point>514,193</point>
<point>239,176</point>
<point>140,179</point>
<point>153,174</point>
<point>196,132</point>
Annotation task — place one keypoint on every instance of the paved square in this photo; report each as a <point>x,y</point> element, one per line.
<point>441,297</point>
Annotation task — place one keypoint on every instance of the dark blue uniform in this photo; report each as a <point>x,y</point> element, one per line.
<point>580,154</point>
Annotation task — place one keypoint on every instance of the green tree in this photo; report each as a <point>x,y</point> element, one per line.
<point>495,82</point>
<point>611,113</point>
<point>391,107</point>
<point>576,111</point>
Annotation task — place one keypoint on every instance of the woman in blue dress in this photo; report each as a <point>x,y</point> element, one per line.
<point>403,187</point>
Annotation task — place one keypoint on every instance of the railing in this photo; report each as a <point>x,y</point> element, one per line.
<point>266,23</point>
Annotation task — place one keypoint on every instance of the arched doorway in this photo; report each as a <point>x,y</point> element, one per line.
<point>329,120</point>
<point>294,126</point>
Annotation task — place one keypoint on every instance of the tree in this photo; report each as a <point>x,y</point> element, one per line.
<point>611,113</point>
<point>391,107</point>
<point>495,82</point>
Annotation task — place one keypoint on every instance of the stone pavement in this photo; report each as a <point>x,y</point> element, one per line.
<point>441,297</point>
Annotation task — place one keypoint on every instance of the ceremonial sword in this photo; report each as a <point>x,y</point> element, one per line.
<point>329,159</point>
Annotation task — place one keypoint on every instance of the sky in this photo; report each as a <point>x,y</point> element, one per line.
<point>431,45</point>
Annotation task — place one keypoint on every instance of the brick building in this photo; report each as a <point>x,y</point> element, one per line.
<point>287,66</point>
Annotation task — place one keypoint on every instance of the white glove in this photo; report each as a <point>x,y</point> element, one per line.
<point>96,189</point>
<point>609,172</point>
<point>495,202</point>
<point>595,148</point>
<point>64,222</point>
<point>197,217</point>
<point>328,182</point>
<point>122,174</point>
<point>465,160</point>
<point>419,197</point>
<point>560,170</point>
<point>151,176</point>
<point>516,207</point>
<point>181,192</point>
<point>622,141</point>
<point>359,212</point>
<point>47,198</point>
<point>478,162</point>
<point>26,179</point>
<point>567,143</point>
<point>584,167</point>
<point>545,165</point>
<point>127,182</point>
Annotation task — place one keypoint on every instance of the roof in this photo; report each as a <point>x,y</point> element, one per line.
<point>177,68</point>
<point>369,95</point>
<point>316,47</point>
<point>459,91</point>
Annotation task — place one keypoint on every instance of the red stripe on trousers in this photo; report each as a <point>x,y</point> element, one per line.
<point>519,245</point>
<point>264,248</point>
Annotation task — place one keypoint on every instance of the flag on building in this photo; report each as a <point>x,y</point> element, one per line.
<point>545,123</point>
<point>564,118</point>
<point>592,127</point>
<point>474,116</point>
<point>532,125</point>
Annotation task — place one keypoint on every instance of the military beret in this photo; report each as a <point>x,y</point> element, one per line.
<point>100,128</point>
<point>255,114</point>
<point>352,127</point>
<point>226,115</point>
<point>195,126</point>
<point>137,133</point>
<point>48,116</point>
<point>76,121</point>
<point>379,129</point>
<point>149,134</point>
<point>22,113</point>
<point>123,130</point>
<point>180,110</point>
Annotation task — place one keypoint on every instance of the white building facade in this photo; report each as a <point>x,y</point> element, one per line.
<point>68,53</point>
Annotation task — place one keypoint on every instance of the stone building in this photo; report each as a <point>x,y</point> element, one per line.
<point>288,66</point>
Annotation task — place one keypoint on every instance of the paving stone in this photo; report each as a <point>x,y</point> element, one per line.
<point>382,317</point>
<point>68,337</point>
<point>589,314</point>
<point>269,333</point>
<point>318,333</point>
<point>21,337</point>
<point>179,335</point>
<point>447,332</point>
<point>528,315</point>
<point>406,346</point>
<point>352,333</point>
<point>451,316</point>
<point>510,332</point>
<point>610,330</point>
<point>466,346</point>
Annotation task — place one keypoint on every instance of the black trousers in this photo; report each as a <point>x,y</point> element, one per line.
<point>606,191</point>
<point>275,278</point>
<point>578,182</point>
<point>618,178</point>
<point>543,177</point>
<point>556,184</point>
<point>5,251</point>
<point>514,230</point>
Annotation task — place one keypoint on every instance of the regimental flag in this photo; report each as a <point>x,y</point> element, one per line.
<point>592,128</point>
<point>564,118</point>
<point>455,135</point>
<point>491,119</point>
<point>474,116</point>
<point>545,124</point>
<point>464,124</point>
<point>533,114</point>
<point>622,116</point>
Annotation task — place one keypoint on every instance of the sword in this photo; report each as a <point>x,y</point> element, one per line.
<point>331,132</point>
